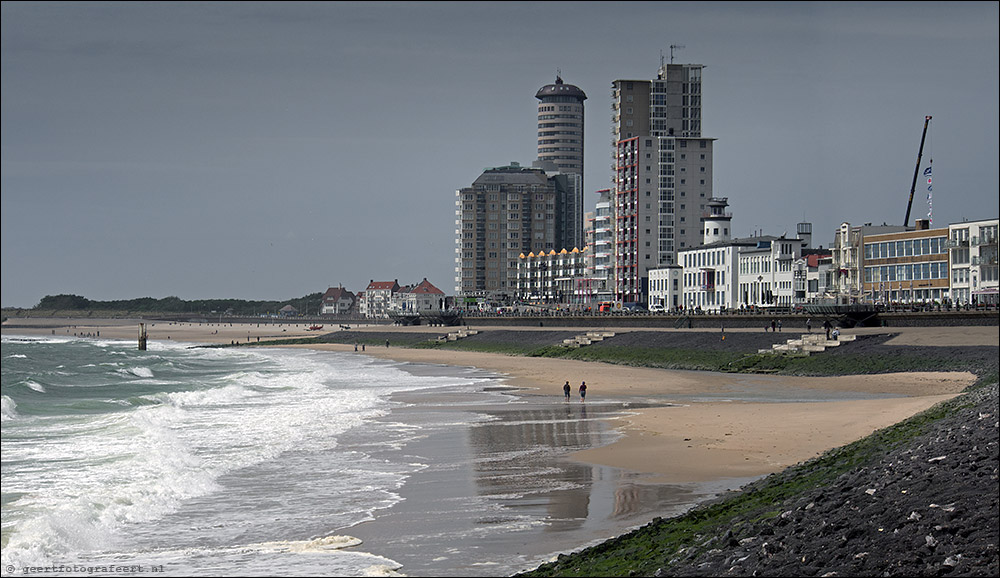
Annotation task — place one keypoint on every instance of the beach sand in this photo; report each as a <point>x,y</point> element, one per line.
<point>710,426</point>
<point>714,425</point>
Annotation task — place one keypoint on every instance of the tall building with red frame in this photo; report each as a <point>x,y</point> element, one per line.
<point>662,174</point>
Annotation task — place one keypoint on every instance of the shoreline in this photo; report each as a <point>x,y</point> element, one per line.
<point>708,426</point>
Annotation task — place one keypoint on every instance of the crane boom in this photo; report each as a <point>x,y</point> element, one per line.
<point>916,171</point>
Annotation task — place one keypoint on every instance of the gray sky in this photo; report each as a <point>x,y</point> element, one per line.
<point>271,150</point>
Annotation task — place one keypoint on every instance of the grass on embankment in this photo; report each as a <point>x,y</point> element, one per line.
<point>722,361</point>
<point>670,358</point>
<point>663,543</point>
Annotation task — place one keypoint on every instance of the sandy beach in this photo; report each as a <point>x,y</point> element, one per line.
<point>708,426</point>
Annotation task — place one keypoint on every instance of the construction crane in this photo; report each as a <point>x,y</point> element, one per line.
<point>916,171</point>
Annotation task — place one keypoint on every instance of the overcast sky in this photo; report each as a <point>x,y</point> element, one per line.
<point>271,150</point>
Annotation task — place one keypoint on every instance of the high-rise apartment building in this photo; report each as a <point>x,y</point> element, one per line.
<point>662,174</point>
<point>507,211</point>
<point>560,142</point>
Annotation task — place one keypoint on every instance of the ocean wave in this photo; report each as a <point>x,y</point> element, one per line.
<point>324,544</point>
<point>35,386</point>
<point>136,372</point>
<point>9,408</point>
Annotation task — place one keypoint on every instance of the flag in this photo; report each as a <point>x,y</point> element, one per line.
<point>930,200</point>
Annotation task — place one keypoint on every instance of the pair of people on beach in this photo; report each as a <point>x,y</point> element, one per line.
<point>583,390</point>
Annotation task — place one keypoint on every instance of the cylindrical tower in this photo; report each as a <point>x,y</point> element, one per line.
<point>717,221</point>
<point>560,126</point>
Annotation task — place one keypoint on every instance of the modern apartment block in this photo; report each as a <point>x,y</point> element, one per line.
<point>891,264</point>
<point>848,259</point>
<point>662,174</point>
<point>507,211</point>
<point>973,251</point>
<point>560,142</point>
<point>600,254</point>
<point>906,267</point>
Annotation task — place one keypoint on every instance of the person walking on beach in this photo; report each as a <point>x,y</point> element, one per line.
<point>826,325</point>
<point>566,389</point>
<point>387,344</point>
<point>583,391</point>
<point>809,325</point>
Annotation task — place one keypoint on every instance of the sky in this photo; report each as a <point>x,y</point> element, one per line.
<point>267,151</point>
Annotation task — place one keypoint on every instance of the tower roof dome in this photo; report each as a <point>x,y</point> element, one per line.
<point>559,88</point>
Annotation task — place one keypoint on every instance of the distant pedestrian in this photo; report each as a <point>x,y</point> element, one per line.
<point>583,391</point>
<point>779,325</point>
<point>387,344</point>
<point>566,389</point>
<point>774,324</point>
<point>836,334</point>
<point>355,346</point>
<point>362,347</point>
<point>809,325</point>
<point>826,326</point>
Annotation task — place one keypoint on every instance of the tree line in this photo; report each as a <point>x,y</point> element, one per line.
<point>308,304</point>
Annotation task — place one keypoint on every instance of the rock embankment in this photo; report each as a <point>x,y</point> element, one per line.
<point>929,508</point>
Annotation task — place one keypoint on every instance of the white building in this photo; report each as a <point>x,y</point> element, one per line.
<point>766,272</point>
<point>376,300</point>
<point>973,255</point>
<point>665,287</point>
<point>709,275</point>
<point>813,274</point>
<point>420,298</point>
<point>708,271</point>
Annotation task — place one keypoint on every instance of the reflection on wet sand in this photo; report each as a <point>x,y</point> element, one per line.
<point>519,459</point>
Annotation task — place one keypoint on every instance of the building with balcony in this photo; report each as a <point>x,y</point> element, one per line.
<point>972,248</point>
<point>376,301</point>
<point>507,211</point>
<point>813,278</point>
<point>661,174</point>
<point>767,273</point>
<point>552,278</point>
<point>848,259</point>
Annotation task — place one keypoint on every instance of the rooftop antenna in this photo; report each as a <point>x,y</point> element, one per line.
<point>672,47</point>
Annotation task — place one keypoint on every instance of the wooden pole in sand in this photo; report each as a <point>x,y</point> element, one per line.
<point>142,337</point>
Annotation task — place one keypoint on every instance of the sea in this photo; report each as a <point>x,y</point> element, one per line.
<point>196,461</point>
